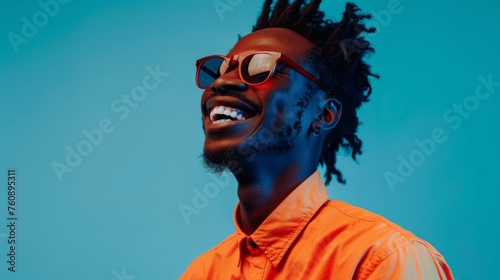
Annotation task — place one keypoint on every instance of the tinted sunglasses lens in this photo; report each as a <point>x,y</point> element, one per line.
<point>255,69</point>
<point>209,71</point>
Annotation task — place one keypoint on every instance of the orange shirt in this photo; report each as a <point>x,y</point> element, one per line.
<point>310,237</point>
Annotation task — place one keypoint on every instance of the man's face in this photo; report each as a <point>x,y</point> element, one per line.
<point>272,119</point>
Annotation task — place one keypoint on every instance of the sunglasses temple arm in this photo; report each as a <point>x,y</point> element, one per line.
<point>300,69</point>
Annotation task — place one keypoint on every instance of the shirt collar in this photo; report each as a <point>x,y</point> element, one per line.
<point>279,230</point>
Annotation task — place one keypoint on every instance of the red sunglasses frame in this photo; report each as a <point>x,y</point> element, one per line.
<point>278,57</point>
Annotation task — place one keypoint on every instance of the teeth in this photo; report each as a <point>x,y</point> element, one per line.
<point>222,121</point>
<point>227,111</point>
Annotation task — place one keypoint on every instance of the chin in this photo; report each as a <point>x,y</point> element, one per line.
<point>218,160</point>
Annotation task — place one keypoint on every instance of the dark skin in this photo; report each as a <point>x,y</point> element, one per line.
<point>266,176</point>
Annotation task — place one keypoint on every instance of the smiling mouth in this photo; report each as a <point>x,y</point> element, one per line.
<point>223,114</point>
<point>226,111</point>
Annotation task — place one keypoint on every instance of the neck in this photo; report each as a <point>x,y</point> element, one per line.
<point>262,189</point>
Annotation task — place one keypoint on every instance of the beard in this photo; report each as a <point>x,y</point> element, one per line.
<point>232,159</point>
<point>266,140</point>
<point>220,161</point>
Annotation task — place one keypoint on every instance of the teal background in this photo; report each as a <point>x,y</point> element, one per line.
<point>116,215</point>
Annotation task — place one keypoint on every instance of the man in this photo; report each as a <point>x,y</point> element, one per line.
<point>283,101</point>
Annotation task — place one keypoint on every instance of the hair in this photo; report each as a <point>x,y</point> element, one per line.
<point>337,58</point>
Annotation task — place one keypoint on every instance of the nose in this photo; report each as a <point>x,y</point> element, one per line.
<point>228,82</point>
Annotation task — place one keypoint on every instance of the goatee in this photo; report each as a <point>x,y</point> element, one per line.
<point>221,161</point>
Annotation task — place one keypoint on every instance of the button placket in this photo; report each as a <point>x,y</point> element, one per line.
<point>252,247</point>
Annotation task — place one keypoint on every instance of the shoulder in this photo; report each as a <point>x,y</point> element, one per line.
<point>381,244</point>
<point>204,264</point>
<point>368,228</point>
<point>358,219</point>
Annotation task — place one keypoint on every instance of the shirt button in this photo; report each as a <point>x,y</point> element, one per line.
<point>253,244</point>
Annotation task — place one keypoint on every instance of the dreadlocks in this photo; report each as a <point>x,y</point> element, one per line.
<point>337,58</point>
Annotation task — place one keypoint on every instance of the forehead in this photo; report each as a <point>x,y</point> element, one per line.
<point>281,40</point>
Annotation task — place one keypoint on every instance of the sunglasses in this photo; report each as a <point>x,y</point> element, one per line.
<point>254,69</point>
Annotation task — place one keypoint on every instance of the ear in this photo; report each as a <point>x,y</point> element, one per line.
<point>331,110</point>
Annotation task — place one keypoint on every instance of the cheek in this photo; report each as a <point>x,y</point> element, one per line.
<point>281,115</point>
<point>282,100</point>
